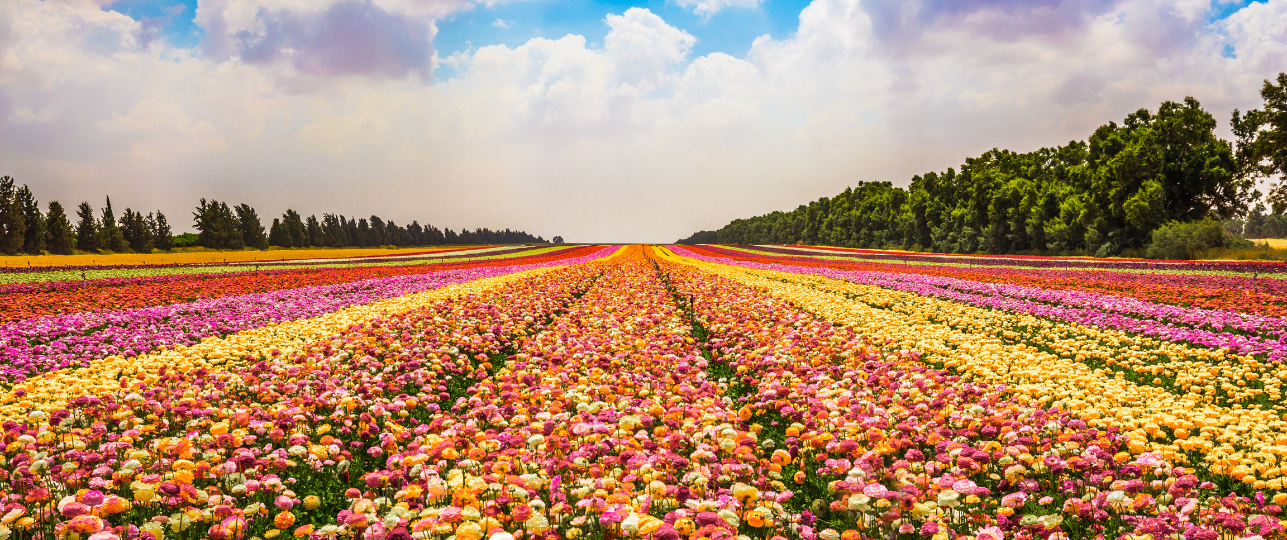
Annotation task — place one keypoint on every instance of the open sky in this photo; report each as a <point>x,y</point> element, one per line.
<point>597,120</point>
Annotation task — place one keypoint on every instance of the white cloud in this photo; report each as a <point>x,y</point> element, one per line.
<point>502,24</point>
<point>707,8</point>
<point>633,141</point>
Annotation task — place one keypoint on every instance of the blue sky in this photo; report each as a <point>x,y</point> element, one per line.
<point>730,31</point>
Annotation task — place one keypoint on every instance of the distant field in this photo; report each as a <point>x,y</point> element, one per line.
<point>1275,243</point>
<point>197,257</point>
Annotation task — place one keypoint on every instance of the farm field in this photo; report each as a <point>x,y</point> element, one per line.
<point>214,256</point>
<point>664,392</point>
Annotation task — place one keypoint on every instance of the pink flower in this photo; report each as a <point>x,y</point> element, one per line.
<point>874,490</point>
<point>93,497</point>
<point>989,533</point>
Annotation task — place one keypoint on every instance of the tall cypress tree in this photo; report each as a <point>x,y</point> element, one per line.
<point>87,228</point>
<point>162,236</point>
<point>109,233</point>
<point>13,225</point>
<point>34,240</point>
<point>59,237</point>
<point>314,230</point>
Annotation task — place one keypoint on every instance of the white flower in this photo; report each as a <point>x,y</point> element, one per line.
<point>631,524</point>
<point>948,498</point>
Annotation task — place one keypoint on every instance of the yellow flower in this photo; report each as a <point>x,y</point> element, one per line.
<point>469,531</point>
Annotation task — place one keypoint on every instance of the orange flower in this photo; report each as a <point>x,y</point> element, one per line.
<point>284,520</point>
<point>85,524</point>
<point>685,526</point>
<point>183,477</point>
<point>114,505</point>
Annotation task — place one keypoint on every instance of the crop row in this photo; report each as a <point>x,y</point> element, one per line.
<point>1257,295</point>
<point>1233,431</point>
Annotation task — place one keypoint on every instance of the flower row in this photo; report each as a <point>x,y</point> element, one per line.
<point>18,276</point>
<point>1259,295</point>
<point>1237,445</point>
<point>31,300</point>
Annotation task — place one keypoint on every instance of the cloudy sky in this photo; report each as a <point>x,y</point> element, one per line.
<point>597,120</point>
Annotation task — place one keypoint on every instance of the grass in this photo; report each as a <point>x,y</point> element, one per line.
<point>1265,249</point>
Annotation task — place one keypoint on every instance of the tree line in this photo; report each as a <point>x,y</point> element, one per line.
<point>333,230</point>
<point>25,228</point>
<point>1100,196</point>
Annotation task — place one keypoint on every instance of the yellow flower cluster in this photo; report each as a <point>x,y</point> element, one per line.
<point>985,346</point>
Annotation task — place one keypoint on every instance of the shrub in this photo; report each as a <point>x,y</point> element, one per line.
<point>186,240</point>
<point>1189,240</point>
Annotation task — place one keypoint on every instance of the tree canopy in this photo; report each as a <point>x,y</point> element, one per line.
<point>1098,196</point>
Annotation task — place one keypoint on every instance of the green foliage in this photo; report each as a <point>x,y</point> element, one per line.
<point>109,234</point>
<point>13,224</point>
<point>186,240</point>
<point>87,228</point>
<point>1176,240</point>
<point>59,237</point>
<point>1262,140</point>
<point>217,226</point>
<point>252,230</point>
<point>34,239</point>
<point>162,237</point>
<point>137,230</point>
<point>700,237</point>
<point>1097,197</point>
<point>1258,224</point>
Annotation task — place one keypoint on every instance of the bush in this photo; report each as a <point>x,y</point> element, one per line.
<point>1189,240</point>
<point>186,240</point>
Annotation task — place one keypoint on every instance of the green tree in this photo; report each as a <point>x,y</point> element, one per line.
<point>314,230</point>
<point>1097,196</point>
<point>217,226</point>
<point>278,235</point>
<point>34,239</point>
<point>162,236</point>
<point>252,230</point>
<point>13,224</point>
<point>1261,136</point>
<point>109,233</point>
<point>86,228</point>
<point>59,237</point>
<point>137,231</point>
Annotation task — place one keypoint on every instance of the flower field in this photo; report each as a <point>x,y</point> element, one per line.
<point>664,393</point>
